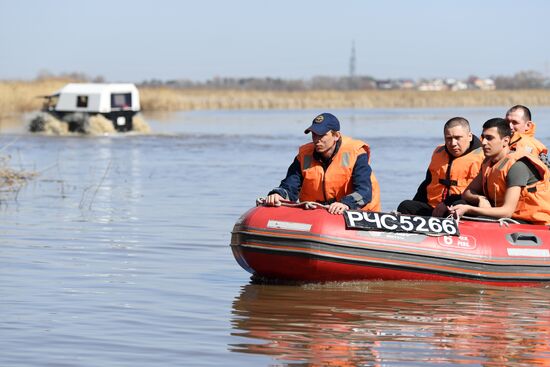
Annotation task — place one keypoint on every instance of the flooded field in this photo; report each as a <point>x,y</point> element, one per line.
<point>117,254</point>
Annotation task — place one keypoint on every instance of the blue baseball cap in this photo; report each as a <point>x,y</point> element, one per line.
<point>324,123</point>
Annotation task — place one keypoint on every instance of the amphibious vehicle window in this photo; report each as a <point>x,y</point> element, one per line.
<point>121,100</point>
<point>82,101</point>
<point>50,102</point>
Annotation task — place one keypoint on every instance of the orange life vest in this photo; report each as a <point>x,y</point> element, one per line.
<point>451,178</point>
<point>336,182</point>
<point>534,201</point>
<point>527,142</point>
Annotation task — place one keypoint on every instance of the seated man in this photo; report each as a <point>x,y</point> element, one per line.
<point>510,183</point>
<point>523,133</point>
<point>454,165</point>
<point>333,169</point>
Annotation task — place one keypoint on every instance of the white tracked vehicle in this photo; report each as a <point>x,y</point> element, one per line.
<point>75,103</point>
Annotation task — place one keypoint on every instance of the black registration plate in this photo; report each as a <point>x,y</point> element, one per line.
<point>356,219</point>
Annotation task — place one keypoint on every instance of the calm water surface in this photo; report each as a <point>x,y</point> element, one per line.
<point>118,255</point>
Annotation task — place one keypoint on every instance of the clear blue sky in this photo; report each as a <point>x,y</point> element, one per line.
<point>198,40</point>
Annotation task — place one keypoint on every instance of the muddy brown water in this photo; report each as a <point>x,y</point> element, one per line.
<point>118,254</point>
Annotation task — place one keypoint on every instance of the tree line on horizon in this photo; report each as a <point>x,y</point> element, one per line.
<point>521,80</point>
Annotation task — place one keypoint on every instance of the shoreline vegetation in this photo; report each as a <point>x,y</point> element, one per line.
<point>17,97</point>
<point>12,180</point>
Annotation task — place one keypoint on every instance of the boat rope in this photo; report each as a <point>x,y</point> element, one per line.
<point>303,204</point>
<point>503,222</point>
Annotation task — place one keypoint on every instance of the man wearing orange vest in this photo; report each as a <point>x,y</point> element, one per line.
<point>523,133</point>
<point>333,169</point>
<point>510,183</point>
<point>453,166</point>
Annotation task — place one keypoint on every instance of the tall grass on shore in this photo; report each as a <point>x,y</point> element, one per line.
<point>164,99</point>
<point>17,97</point>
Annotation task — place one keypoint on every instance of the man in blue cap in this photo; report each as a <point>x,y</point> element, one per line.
<point>333,169</point>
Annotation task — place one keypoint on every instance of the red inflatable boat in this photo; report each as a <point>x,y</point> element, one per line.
<point>289,243</point>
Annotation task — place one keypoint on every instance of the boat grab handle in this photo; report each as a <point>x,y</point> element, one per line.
<point>524,239</point>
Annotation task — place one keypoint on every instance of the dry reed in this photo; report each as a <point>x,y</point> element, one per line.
<point>164,99</point>
<point>21,96</point>
<point>11,180</point>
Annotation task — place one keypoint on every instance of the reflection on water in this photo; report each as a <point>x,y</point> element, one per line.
<point>393,323</point>
<point>117,254</point>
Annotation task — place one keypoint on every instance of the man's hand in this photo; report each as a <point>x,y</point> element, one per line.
<point>273,200</point>
<point>337,208</point>
<point>459,210</point>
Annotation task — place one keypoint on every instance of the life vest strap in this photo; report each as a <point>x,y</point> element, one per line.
<point>448,183</point>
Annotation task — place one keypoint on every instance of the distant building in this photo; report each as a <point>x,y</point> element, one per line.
<point>433,85</point>
<point>484,84</point>
<point>407,84</point>
<point>386,84</point>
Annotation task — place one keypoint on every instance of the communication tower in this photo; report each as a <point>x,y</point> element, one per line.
<point>352,61</point>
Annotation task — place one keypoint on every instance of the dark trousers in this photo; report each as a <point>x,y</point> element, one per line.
<point>415,208</point>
